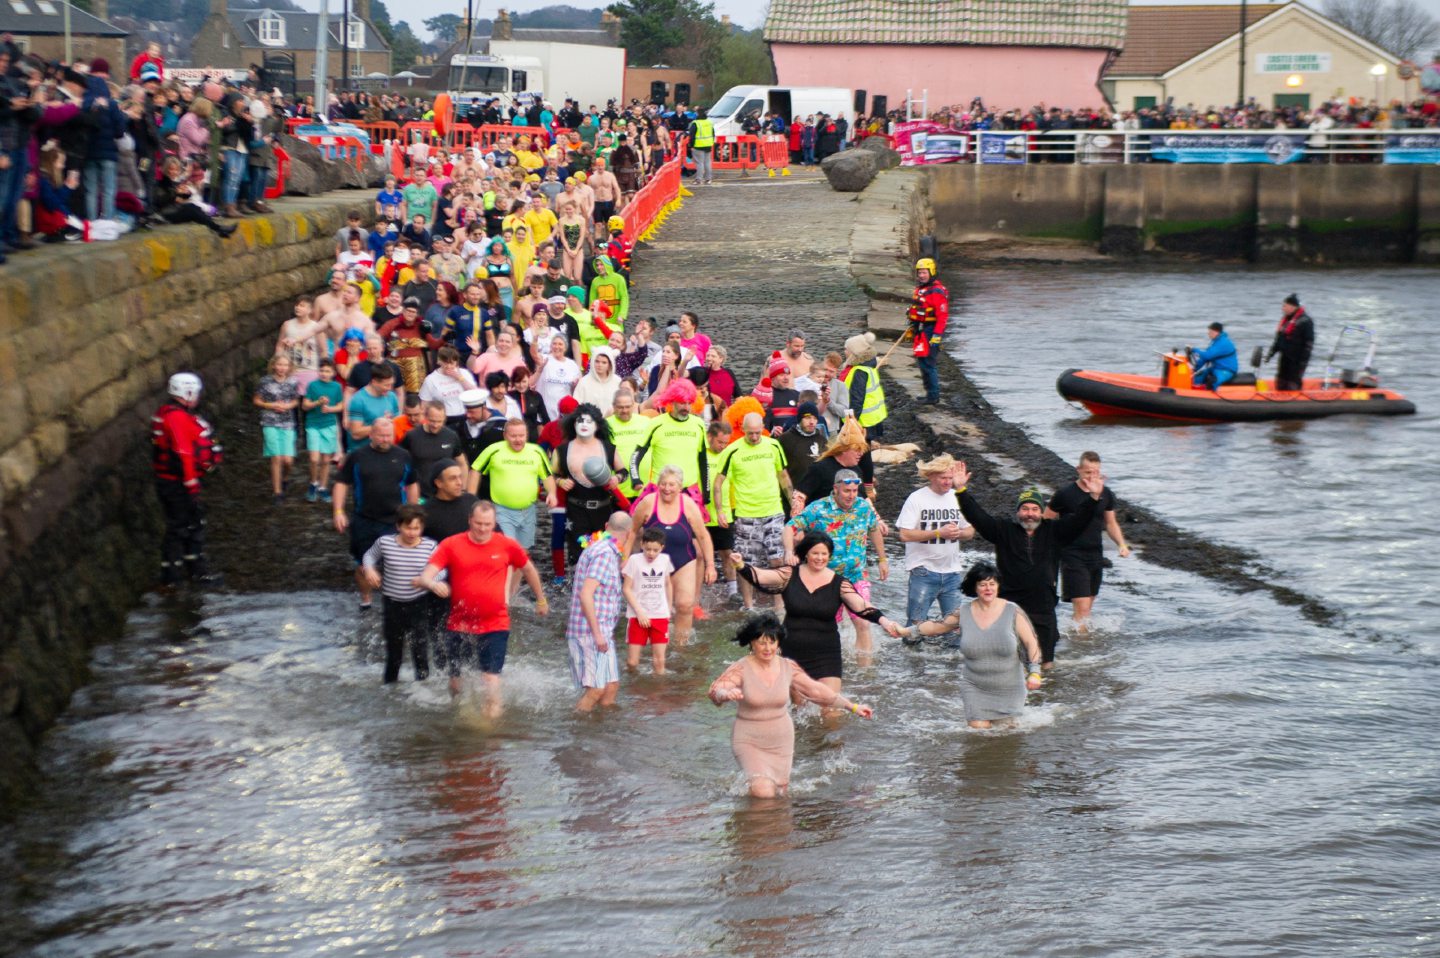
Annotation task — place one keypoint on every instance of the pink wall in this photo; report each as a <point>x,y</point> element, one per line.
<point>1005,77</point>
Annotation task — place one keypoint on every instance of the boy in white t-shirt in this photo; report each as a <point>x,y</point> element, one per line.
<point>649,588</point>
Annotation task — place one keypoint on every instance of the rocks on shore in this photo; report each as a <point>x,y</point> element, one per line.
<point>852,170</point>
<point>312,173</point>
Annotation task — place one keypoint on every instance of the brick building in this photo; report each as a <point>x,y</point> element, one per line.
<point>38,27</point>
<point>281,40</point>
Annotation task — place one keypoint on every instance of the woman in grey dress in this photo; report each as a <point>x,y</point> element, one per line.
<point>992,682</point>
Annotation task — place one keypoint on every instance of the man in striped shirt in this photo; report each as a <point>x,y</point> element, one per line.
<point>392,565</point>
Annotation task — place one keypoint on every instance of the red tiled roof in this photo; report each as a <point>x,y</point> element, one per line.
<point>1160,38</point>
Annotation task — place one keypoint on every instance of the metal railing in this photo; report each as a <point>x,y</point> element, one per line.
<point>1015,147</point>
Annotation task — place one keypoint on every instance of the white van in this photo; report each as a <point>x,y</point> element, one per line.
<point>730,111</point>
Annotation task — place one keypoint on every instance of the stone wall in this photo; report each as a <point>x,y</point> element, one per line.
<point>89,334</point>
<point>1334,213</point>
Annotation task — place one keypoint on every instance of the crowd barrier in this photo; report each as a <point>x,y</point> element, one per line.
<point>282,170</point>
<point>736,153</point>
<point>351,149</point>
<point>775,151</point>
<point>655,201</point>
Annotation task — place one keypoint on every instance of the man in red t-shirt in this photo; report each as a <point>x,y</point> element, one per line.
<point>478,562</point>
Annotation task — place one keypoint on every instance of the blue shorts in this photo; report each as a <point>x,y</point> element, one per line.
<point>485,650</point>
<point>323,439</point>
<point>279,441</point>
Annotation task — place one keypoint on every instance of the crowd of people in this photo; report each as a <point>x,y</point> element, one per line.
<point>446,430</point>
<point>87,153</point>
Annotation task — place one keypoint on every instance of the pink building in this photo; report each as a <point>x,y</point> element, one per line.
<point>1012,53</point>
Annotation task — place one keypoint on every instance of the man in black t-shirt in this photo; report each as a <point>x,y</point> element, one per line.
<point>1082,563</point>
<point>430,443</point>
<point>382,477</point>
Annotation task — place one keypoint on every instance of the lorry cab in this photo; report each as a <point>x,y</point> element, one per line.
<point>481,76</point>
<point>741,102</point>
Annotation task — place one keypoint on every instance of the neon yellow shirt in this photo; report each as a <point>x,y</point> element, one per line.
<point>754,473</point>
<point>513,475</point>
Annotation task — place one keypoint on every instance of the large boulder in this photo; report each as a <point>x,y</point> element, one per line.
<point>310,171</point>
<point>887,157</point>
<point>850,171</point>
<point>351,175</point>
<point>376,170</point>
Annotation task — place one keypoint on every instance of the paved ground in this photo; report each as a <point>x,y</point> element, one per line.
<point>755,258</point>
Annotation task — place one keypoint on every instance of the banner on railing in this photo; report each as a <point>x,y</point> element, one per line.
<point>1228,147</point>
<point>1004,148</point>
<point>1412,148</point>
<point>923,142</point>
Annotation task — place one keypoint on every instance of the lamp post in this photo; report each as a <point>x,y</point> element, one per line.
<point>1378,71</point>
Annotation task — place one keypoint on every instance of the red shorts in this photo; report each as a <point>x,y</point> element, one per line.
<point>657,634</point>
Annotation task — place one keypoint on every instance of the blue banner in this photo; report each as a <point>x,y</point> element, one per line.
<point>1222,147</point>
<point>1001,147</point>
<point>1412,148</point>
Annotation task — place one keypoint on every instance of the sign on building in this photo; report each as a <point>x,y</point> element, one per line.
<point>1292,63</point>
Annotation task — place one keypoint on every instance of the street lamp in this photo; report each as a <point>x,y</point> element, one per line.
<point>1378,71</point>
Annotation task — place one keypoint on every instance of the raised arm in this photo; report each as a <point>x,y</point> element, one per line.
<point>984,523</point>
<point>856,603</point>
<point>769,581</point>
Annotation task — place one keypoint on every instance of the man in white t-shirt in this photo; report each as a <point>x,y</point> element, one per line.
<point>649,589</point>
<point>932,529</point>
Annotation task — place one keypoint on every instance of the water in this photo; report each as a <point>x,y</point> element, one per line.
<point>1209,775</point>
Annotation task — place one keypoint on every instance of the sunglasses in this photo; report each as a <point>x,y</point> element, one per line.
<point>849,482</point>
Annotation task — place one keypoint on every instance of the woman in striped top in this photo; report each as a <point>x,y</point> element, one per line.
<point>391,565</point>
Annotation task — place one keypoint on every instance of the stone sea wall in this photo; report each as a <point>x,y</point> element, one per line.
<point>89,335</point>
<point>1294,214</point>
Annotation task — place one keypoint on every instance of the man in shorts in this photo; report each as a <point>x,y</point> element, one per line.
<point>516,469</point>
<point>594,612</point>
<point>478,563</point>
<point>851,523</point>
<point>755,467</point>
<point>383,478</point>
<point>717,438</point>
<point>1082,562</point>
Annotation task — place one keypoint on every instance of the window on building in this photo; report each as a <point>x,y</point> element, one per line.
<point>19,6</point>
<point>272,30</point>
<point>46,7</point>
<point>355,33</point>
<point>1302,100</point>
<point>356,70</point>
<point>1144,103</point>
<point>225,40</point>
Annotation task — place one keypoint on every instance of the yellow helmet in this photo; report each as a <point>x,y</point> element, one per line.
<point>926,263</point>
<point>615,223</point>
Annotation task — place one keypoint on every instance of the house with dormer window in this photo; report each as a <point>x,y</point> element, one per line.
<point>282,42</point>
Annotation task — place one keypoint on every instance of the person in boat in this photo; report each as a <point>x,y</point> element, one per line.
<point>1294,339</point>
<point>1216,364</point>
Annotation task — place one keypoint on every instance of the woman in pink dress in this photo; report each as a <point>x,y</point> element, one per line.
<point>760,684</point>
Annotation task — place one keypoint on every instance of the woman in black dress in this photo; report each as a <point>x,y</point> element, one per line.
<point>813,595</point>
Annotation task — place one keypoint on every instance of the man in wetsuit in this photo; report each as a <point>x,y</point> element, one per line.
<point>1082,563</point>
<point>1027,549</point>
<point>185,451</point>
<point>1294,339</point>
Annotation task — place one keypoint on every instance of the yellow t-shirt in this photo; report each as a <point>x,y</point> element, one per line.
<point>542,225</point>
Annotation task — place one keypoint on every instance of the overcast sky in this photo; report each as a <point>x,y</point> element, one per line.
<point>746,13</point>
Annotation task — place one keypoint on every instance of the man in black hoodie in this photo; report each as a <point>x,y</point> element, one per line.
<point>1027,549</point>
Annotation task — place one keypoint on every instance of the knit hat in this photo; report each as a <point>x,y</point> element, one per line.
<point>1293,299</point>
<point>99,65</point>
<point>807,409</point>
<point>1028,496</point>
<point>860,348</point>
<point>556,300</point>
<point>764,392</point>
<point>149,72</point>
<point>778,365</point>
<point>577,292</point>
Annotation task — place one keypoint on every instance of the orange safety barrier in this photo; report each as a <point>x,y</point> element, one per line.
<point>348,148</point>
<point>295,122</point>
<point>775,150</point>
<point>736,153</point>
<point>654,200</point>
<point>379,132</point>
<point>282,169</point>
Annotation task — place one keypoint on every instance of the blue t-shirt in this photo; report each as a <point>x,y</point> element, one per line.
<point>332,392</point>
<point>390,198</point>
<point>365,408</point>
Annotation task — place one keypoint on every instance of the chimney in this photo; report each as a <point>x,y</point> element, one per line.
<point>500,29</point>
<point>100,8</point>
<point>358,8</point>
<point>725,21</point>
<point>217,8</point>
<point>611,25</point>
